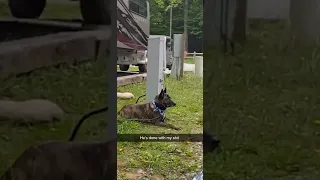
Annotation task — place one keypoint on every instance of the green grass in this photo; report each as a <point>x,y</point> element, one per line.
<point>264,105</point>
<point>76,89</point>
<point>81,88</point>
<point>164,160</point>
<point>188,95</point>
<point>188,60</point>
<point>62,11</point>
<point>159,160</point>
<point>131,68</point>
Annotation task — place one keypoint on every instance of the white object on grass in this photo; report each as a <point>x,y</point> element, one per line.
<point>30,111</point>
<point>167,71</point>
<point>198,66</point>
<point>125,95</point>
<point>199,176</point>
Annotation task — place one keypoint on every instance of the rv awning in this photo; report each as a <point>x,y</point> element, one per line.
<point>122,45</point>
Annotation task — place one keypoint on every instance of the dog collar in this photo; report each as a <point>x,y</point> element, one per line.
<point>157,109</point>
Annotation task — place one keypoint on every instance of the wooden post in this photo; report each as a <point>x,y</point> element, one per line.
<point>227,22</point>
<point>211,24</point>
<point>304,18</point>
<point>178,54</point>
<point>182,55</point>
<point>185,25</point>
<point>240,23</point>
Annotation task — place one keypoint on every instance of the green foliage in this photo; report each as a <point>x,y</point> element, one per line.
<point>158,24</point>
<point>160,17</point>
<point>167,4</point>
<point>195,21</point>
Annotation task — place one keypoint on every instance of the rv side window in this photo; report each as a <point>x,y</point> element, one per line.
<point>139,7</point>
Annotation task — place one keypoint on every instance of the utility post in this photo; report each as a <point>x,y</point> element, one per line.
<point>155,73</point>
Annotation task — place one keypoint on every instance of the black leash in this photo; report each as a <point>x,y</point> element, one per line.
<point>139,98</point>
<point>86,116</point>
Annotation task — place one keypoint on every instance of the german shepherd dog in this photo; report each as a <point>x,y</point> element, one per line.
<point>75,160</point>
<point>151,112</point>
<point>67,160</point>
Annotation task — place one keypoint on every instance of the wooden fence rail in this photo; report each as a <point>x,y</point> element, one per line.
<point>193,55</point>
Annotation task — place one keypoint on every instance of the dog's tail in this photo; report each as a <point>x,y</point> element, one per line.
<point>210,142</point>
<point>139,98</point>
<point>76,128</point>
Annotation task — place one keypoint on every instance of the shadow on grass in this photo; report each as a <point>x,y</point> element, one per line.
<point>263,105</point>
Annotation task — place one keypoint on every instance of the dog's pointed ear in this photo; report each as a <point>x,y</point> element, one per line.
<point>161,95</point>
<point>165,90</point>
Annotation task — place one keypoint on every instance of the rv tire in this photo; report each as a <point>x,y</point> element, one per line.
<point>124,67</point>
<point>142,68</point>
<point>26,8</point>
<point>96,11</point>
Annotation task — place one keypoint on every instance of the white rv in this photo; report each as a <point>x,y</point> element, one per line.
<point>133,31</point>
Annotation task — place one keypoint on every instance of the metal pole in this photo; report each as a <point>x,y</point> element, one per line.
<point>171,22</point>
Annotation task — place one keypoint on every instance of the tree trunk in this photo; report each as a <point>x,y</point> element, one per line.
<point>224,21</point>
<point>211,24</point>
<point>304,20</point>
<point>186,8</point>
<point>240,22</point>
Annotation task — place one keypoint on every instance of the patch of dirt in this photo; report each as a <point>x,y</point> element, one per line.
<point>198,150</point>
<point>133,176</point>
<point>121,164</point>
<point>138,175</point>
<point>157,177</point>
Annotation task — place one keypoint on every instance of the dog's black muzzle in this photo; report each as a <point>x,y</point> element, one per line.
<point>172,104</point>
